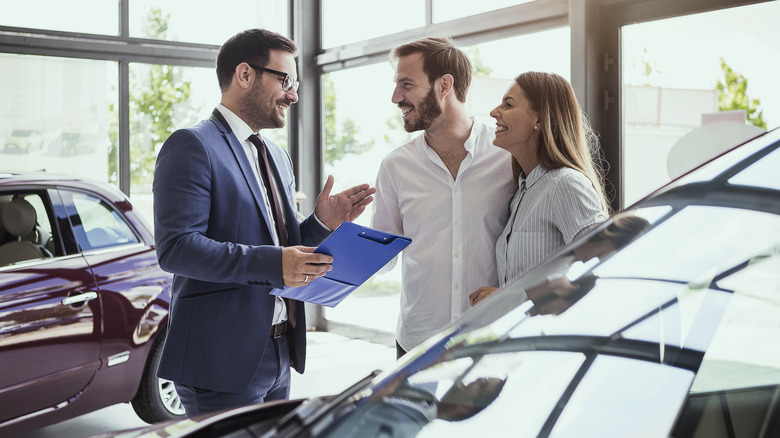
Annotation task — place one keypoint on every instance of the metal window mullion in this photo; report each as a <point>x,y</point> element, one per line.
<point>124,127</point>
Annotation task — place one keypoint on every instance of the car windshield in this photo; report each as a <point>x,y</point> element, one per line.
<point>646,294</point>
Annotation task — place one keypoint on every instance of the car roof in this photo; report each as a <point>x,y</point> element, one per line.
<point>46,179</point>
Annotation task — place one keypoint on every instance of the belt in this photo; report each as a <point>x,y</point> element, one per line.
<point>278,330</point>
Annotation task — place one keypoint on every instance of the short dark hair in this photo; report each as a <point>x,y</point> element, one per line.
<point>252,46</point>
<point>440,57</point>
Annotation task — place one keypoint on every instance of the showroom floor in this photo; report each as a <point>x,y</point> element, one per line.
<point>334,362</point>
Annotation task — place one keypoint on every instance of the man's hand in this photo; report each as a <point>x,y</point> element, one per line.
<point>301,265</point>
<point>480,294</point>
<point>332,210</point>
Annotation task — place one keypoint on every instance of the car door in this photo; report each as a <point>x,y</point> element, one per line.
<point>50,317</point>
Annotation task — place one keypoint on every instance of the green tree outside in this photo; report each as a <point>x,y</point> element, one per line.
<point>343,141</point>
<point>732,95</point>
<point>159,100</point>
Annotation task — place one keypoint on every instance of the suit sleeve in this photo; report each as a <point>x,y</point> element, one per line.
<point>183,186</point>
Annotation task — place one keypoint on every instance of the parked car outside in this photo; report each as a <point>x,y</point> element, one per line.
<point>83,304</point>
<point>663,321</point>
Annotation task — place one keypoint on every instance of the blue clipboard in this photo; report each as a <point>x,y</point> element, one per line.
<point>358,253</point>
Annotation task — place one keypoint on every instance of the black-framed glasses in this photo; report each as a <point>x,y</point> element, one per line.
<point>288,83</point>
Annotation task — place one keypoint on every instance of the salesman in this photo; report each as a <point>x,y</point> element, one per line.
<point>226,228</point>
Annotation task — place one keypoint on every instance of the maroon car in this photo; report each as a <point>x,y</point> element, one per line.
<point>83,304</point>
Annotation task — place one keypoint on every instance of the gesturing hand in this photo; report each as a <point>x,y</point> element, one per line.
<point>301,265</point>
<point>332,210</point>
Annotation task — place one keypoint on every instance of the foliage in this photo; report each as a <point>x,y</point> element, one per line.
<point>343,141</point>
<point>157,96</point>
<point>732,95</point>
<point>478,66</point>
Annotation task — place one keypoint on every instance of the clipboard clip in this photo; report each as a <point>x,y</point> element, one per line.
<point>376,237</point>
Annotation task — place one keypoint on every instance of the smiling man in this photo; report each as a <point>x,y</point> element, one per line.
<point>226,227</point>
<point>448,189</point>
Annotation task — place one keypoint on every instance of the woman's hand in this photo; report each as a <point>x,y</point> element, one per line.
<point>480,294</point>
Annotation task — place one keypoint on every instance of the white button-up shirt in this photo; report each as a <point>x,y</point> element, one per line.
<point>453,224</point>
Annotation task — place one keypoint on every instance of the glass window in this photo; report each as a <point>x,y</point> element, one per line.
<point>97,225</point>
<point>674,114</point>
<point>56,115</point>
<point>445,10</point>
<point>494,71</point>
<point>343,22</point>
<point>208,25</point>
<point>83,16</point>
<point>163,98</point>
<point>361,127</point>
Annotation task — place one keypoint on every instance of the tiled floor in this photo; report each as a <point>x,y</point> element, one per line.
<point>334,362</point>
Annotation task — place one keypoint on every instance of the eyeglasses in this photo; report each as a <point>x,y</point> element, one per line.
<point>288,83</point>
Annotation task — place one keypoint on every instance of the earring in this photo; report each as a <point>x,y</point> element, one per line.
<point>536,127</point>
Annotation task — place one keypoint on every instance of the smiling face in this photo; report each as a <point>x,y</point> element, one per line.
<point>265,104</point>
<point>515,121</point>
<point>414,95</point>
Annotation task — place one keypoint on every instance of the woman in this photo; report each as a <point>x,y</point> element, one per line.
<point>561,192</point>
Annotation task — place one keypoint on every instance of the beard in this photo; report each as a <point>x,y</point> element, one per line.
<point>258,111</point>
<point>427,112</point>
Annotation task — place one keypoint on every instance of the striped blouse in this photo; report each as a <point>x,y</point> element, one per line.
<point>549,209</point>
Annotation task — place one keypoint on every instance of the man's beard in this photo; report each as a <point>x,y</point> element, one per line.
<point>256,111</point>
<point>427,112</point>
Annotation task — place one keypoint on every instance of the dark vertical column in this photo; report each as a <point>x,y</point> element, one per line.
<point>306,117</point>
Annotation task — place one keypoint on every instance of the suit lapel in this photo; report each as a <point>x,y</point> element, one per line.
<point>243,163</point>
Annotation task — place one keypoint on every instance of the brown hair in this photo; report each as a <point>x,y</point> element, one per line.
<point>566,139</point>
<point>440,57</point>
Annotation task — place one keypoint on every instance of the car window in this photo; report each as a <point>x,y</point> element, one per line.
<point>97,225</point>
<point>724,162</point>
<point>738,384</point>
<point>760,174</point>
<point>37,240</point>
<point>461,396</point>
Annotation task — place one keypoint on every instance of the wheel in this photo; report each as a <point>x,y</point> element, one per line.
<point>156,399</point>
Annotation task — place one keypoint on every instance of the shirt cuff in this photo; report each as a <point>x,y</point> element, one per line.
<point>320,222</point>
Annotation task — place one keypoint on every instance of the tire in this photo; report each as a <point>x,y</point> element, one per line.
<point>156,399</point>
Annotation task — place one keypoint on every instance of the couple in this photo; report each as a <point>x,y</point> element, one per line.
<point>451,189</point>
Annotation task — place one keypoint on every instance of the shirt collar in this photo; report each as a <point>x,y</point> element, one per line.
<point>470,144</point>
<point>536,174</point>
<point>239,127</point>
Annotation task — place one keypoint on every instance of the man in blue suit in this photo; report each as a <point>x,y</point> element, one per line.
<point>226,227</point>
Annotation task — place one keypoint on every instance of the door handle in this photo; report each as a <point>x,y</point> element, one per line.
<point>80,298</point>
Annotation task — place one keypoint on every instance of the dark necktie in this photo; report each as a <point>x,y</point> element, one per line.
<point>271,189</point>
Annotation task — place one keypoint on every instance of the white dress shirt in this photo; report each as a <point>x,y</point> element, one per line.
<point>242,131</point>
<point>550,208</point>
<point>453,224</point>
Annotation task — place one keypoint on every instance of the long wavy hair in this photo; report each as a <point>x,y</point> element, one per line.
<point>566,139</point>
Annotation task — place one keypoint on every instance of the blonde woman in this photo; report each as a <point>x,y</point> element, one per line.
<point>561,191</point>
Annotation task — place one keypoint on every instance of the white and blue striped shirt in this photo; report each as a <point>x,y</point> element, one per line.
<point>549,209</point>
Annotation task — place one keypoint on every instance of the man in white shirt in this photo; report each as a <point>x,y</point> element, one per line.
<point>448,190</point>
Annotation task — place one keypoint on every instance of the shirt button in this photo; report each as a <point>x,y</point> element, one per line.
<point>457,254</point>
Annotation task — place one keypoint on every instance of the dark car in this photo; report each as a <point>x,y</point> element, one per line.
<point>83,304</point>
<point>662,321</point>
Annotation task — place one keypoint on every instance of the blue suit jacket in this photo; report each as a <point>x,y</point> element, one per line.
<point>213,233</point>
